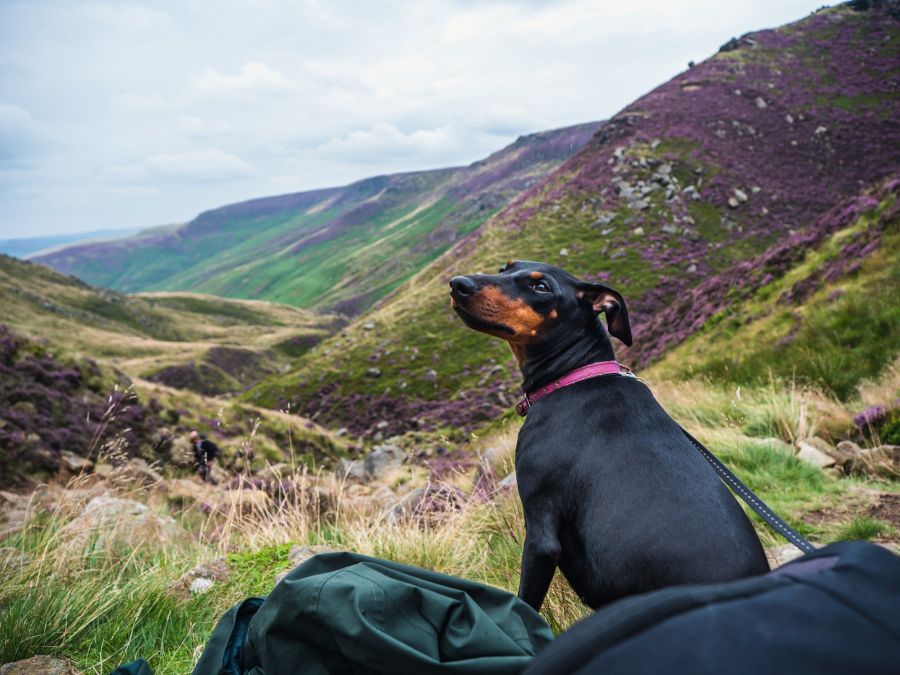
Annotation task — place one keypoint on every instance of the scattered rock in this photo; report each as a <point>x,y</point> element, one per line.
<point>299,555</point>
<point>820,130</point>
<point>430,374</point>
<point>243,500</point>
<point>405,506</point>
<point>350,469</point>
<point>39,665</point>
<point>780,555</point>
<point>808,452</point>
<point>740,195</point>
<point>200,579</point>
<point>73,463</point>
<point>136,470</point>
<point>186,490</point>
<point>108,521</point>
<point>564,252</point>
<point>692,268</point>
<point>638,231</point>
<point>382,458</point>
<point>104,470</point>
<point>733,203</point>
<point>669,228</point>
<point>848,447</point>
<point>761,103</point>
<point>883,461</point>
<point>369,325</point>
<point>373,372</point>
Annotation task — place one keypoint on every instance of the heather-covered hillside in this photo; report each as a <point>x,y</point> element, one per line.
<point>741,155</point>
<point>341,248</point>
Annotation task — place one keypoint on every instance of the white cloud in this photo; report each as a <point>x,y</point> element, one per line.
<point>386,139</point>
<point>131,113</point>
<point>140,103</point>
<point>253,78</point>
<point>210,164</point>
<point>19,132</point>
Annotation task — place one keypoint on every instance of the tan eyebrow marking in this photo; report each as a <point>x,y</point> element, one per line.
<point>536,275</point>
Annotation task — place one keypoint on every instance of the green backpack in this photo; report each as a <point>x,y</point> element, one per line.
<point>348,613</point>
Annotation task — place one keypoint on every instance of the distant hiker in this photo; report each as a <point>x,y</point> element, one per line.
<point>205,451</point>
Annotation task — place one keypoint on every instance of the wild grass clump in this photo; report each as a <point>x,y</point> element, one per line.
<point>863,528</point>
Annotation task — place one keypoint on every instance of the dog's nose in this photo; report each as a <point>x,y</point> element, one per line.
<point>463,285</point>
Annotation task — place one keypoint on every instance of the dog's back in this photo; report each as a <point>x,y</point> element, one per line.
<point>637,507</point>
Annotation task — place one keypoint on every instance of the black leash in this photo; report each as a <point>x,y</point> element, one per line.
<point>751,499</point>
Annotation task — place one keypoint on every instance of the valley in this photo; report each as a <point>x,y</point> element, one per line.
<point>748,210</point>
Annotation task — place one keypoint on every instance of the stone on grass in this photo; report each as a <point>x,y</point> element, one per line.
<point>243,500</point>
<point>74,463</point>
<point>110,521</point>
<point>382,458</point>
<point>200,579</point>
<point>404,507</point>
<point>779,555</point>
<point>299,555</point>
<point>137,470</point>
<point>39,665</point>
<point>809,453</point>
<point>186,490</point>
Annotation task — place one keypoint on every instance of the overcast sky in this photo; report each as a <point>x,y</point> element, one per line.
<point>127,114</point>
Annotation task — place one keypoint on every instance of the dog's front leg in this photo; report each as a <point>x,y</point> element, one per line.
<point>538,562</point>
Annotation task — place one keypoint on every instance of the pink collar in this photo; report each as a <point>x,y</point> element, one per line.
<point>577,375</point>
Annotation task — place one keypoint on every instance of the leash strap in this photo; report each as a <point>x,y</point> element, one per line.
<point>754,502</point>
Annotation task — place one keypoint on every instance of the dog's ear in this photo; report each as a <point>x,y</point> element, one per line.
<point>612,304</point>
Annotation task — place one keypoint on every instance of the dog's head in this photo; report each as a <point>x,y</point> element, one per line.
<point>531,303</point>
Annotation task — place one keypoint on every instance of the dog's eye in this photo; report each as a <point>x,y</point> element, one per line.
<point>541,287</point>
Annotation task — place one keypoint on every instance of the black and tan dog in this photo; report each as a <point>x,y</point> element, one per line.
<point>613,491</point>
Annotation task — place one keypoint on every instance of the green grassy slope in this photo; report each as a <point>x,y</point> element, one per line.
<point>202,337</point>
<point>708,171</point>
<point>810,325</point>
<point>343,248</point>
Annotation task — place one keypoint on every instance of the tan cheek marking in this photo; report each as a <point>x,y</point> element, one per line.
<point>493,305</point>
<point>553,314</point>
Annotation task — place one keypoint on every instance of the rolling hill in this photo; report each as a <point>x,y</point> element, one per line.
<point>208,344</point>
<point>681,201</point>
<point>339,248</point>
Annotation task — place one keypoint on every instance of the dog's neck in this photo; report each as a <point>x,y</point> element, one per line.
<point>543,363</point>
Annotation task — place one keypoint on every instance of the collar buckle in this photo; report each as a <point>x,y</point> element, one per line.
<point>522,406</point>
